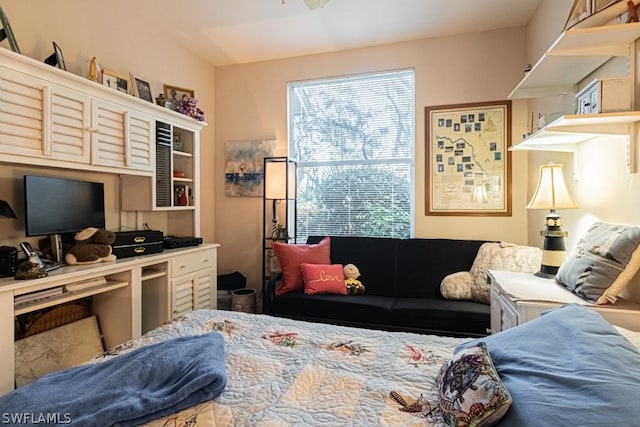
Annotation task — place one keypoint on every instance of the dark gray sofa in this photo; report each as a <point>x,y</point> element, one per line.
<point>402,279</point>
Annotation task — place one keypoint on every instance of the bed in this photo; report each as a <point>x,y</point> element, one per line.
<point>569,367</point>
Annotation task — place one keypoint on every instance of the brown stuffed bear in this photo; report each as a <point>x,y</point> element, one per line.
<point>92,245</point>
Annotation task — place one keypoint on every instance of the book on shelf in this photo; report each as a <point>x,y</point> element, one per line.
<point>34,296</point>
<point>85,284</point>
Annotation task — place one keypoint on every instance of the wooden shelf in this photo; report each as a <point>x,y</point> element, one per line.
<point>564,133</point>
<point>573,56</point>
<point>67,296</point>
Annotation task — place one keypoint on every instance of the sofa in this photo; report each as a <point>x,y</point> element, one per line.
<point>402,279</point>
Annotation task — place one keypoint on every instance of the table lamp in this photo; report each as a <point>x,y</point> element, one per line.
<point>551,193</point>
<point>6,211</point>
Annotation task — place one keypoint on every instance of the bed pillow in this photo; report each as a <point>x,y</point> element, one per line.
<point>603,262</point>
<point>291,256</point>
<point>470,392</point>
<point>567,367</point>
<point>323,279</point>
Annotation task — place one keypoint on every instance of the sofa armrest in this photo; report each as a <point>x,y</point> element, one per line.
<point>269,293</point>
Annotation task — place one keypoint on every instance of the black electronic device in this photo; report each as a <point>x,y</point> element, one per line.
<point>134,243</point>
<point>56,206</point>
<point>31,254</point>
<point>174,242</point>
<point>8,261</point>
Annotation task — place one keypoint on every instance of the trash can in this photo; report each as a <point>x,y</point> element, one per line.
<point>243,300</point>
<point>227,283</point>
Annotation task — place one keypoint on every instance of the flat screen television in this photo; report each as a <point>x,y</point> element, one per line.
<point>55,206</point>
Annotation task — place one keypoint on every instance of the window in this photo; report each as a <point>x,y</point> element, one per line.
<point>353,139</point>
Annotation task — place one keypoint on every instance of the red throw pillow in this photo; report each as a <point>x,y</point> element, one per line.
<point>323,279</point>
<point>291,256</point>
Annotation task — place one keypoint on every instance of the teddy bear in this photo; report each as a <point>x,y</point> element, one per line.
<point>354,286</point>
<point>92,245</point>
<point>189,106</point>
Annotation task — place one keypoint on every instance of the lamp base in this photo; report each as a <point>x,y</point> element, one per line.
<point>553,250</point>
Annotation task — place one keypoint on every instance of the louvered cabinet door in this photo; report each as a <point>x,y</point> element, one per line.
<point>21,115</point>
<point>120,137</point>
<point>67,125</point>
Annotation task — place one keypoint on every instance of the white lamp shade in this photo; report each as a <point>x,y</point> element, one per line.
<point>551,192</point>
<point>275,180</point>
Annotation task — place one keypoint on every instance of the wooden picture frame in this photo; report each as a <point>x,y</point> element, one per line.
<point>7,33</point>
<point>141,88</point>
<point>116,81</point>
<point>468,162</point>
<point>173,95</point>
<point>56,59</point>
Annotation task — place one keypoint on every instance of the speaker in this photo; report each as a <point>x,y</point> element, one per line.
<point>8,261</point>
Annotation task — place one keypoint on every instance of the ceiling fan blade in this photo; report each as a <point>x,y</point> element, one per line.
<point>315,4</point>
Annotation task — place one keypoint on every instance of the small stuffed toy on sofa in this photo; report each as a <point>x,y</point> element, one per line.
<point>92,245</point>
<point>354,286</point>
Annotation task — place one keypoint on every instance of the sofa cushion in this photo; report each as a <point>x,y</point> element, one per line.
<point>323,279</point>
<point>439,314</point>
<point>343,308</point>
<point>501,256</point>
<point>291,256</point>
<point>457,286</point>
<point>375,257</point>
<point>423,263</point>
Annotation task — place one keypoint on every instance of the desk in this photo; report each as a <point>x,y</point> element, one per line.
<point>140,294</point>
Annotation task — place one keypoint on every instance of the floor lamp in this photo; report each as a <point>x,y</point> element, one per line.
<point>552,193</point>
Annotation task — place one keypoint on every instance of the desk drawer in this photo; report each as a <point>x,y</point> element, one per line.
<point>193,261</point>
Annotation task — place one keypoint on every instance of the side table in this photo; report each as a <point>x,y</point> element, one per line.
<point>519,297</point>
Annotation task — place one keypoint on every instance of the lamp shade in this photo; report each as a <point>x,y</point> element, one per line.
<point>6,211</point>
<point>278,174</point>
<point>551,192</point>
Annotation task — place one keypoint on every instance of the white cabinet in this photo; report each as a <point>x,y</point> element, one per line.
<point>49,117</point>
<point>193,282</point>
<point>519,297</point>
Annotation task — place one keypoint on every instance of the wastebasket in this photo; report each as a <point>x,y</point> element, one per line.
<point>243,300</point>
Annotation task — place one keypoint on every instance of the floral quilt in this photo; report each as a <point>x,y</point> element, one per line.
<point>283,372</point>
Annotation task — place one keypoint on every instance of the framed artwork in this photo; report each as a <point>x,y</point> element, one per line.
<point>116,81</point>
<point>7,33</point>
<point>243,166</point>
<point>468,162</point>
<point>141,88</point>
<point>56,59</point>
<point>173,95</point>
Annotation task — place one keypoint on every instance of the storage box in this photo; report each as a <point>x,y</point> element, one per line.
<point>134,243</point>
<point>605,96</point>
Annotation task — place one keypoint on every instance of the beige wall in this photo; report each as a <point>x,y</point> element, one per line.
<point>251,103</point>
<point>108,31</point>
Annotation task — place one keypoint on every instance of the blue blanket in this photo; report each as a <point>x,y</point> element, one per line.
<point>130,389</point>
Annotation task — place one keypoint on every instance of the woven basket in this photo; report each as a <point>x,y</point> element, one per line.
<point>58,316</point>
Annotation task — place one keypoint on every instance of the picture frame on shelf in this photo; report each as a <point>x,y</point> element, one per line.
<point>468,162</point>
<point>56,59</point>
<point>116,81</point>
<point>7,33</point>
<point>141,88</point>
<point>173,95</point>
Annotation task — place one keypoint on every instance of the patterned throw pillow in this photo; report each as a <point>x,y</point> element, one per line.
<point>603,262</point>
<point>291,256</point>
<point>470,390</point>
<point>501,256</point>
<point>323,279</point>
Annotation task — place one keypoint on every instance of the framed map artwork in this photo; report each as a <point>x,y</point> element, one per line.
<point>468,162</point>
